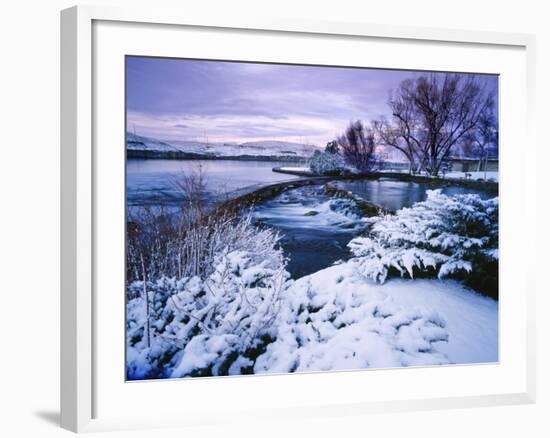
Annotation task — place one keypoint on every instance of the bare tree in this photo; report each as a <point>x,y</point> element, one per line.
<point>431,114</point>
<point>358,146</point>
<point>399,137</point>
<point>484,135</point>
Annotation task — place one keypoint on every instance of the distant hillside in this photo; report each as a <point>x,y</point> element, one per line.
<point>146,147</point>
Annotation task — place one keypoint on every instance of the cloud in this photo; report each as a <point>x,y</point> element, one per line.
<point>232,101</point>
<point>316,130</point>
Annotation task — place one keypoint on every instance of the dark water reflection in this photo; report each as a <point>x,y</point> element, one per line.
<point>394,194</point>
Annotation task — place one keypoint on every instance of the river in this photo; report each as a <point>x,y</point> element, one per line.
<point>315,228</point>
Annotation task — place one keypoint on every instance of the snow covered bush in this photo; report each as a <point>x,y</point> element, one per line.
<point>164,245</point>
<point>443,236</point>
<point>334,320</point>
<point>327,163</point>
<point>215,325</point>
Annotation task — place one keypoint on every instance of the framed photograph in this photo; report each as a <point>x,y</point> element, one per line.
<point>289,218</point>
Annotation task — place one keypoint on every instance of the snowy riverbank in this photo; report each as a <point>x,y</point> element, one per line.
<point>360,324</point>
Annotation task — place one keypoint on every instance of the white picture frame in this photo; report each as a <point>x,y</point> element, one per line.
<point>81,193</point>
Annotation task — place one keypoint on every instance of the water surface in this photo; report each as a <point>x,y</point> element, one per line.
<point>393,194</point>
<point>155,181</point>
<point>314,227</point>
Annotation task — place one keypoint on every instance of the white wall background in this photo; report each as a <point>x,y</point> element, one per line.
<point>29,214</point>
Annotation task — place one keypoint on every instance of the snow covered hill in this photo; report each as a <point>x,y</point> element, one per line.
<point>147,147</point>
<point>139,143</point>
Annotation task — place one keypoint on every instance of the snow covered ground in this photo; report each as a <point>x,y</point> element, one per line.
<point>334,319</point>
<point>486,176</point>
<point>331,320</point>
<point>489,176</point>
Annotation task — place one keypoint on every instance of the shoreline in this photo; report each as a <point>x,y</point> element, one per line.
<point>163,155</point>
<point>489,186</point>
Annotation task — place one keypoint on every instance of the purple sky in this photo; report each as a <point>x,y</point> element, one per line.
<point>178,99</point>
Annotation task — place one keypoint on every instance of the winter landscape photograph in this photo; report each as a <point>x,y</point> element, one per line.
<point>297,218</point>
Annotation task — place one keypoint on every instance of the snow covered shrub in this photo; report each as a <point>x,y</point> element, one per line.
<point>327,163</point>
<point>165,245</point>
<point>443,236</point>
<point>334,320</point>
<point>213,324</point>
